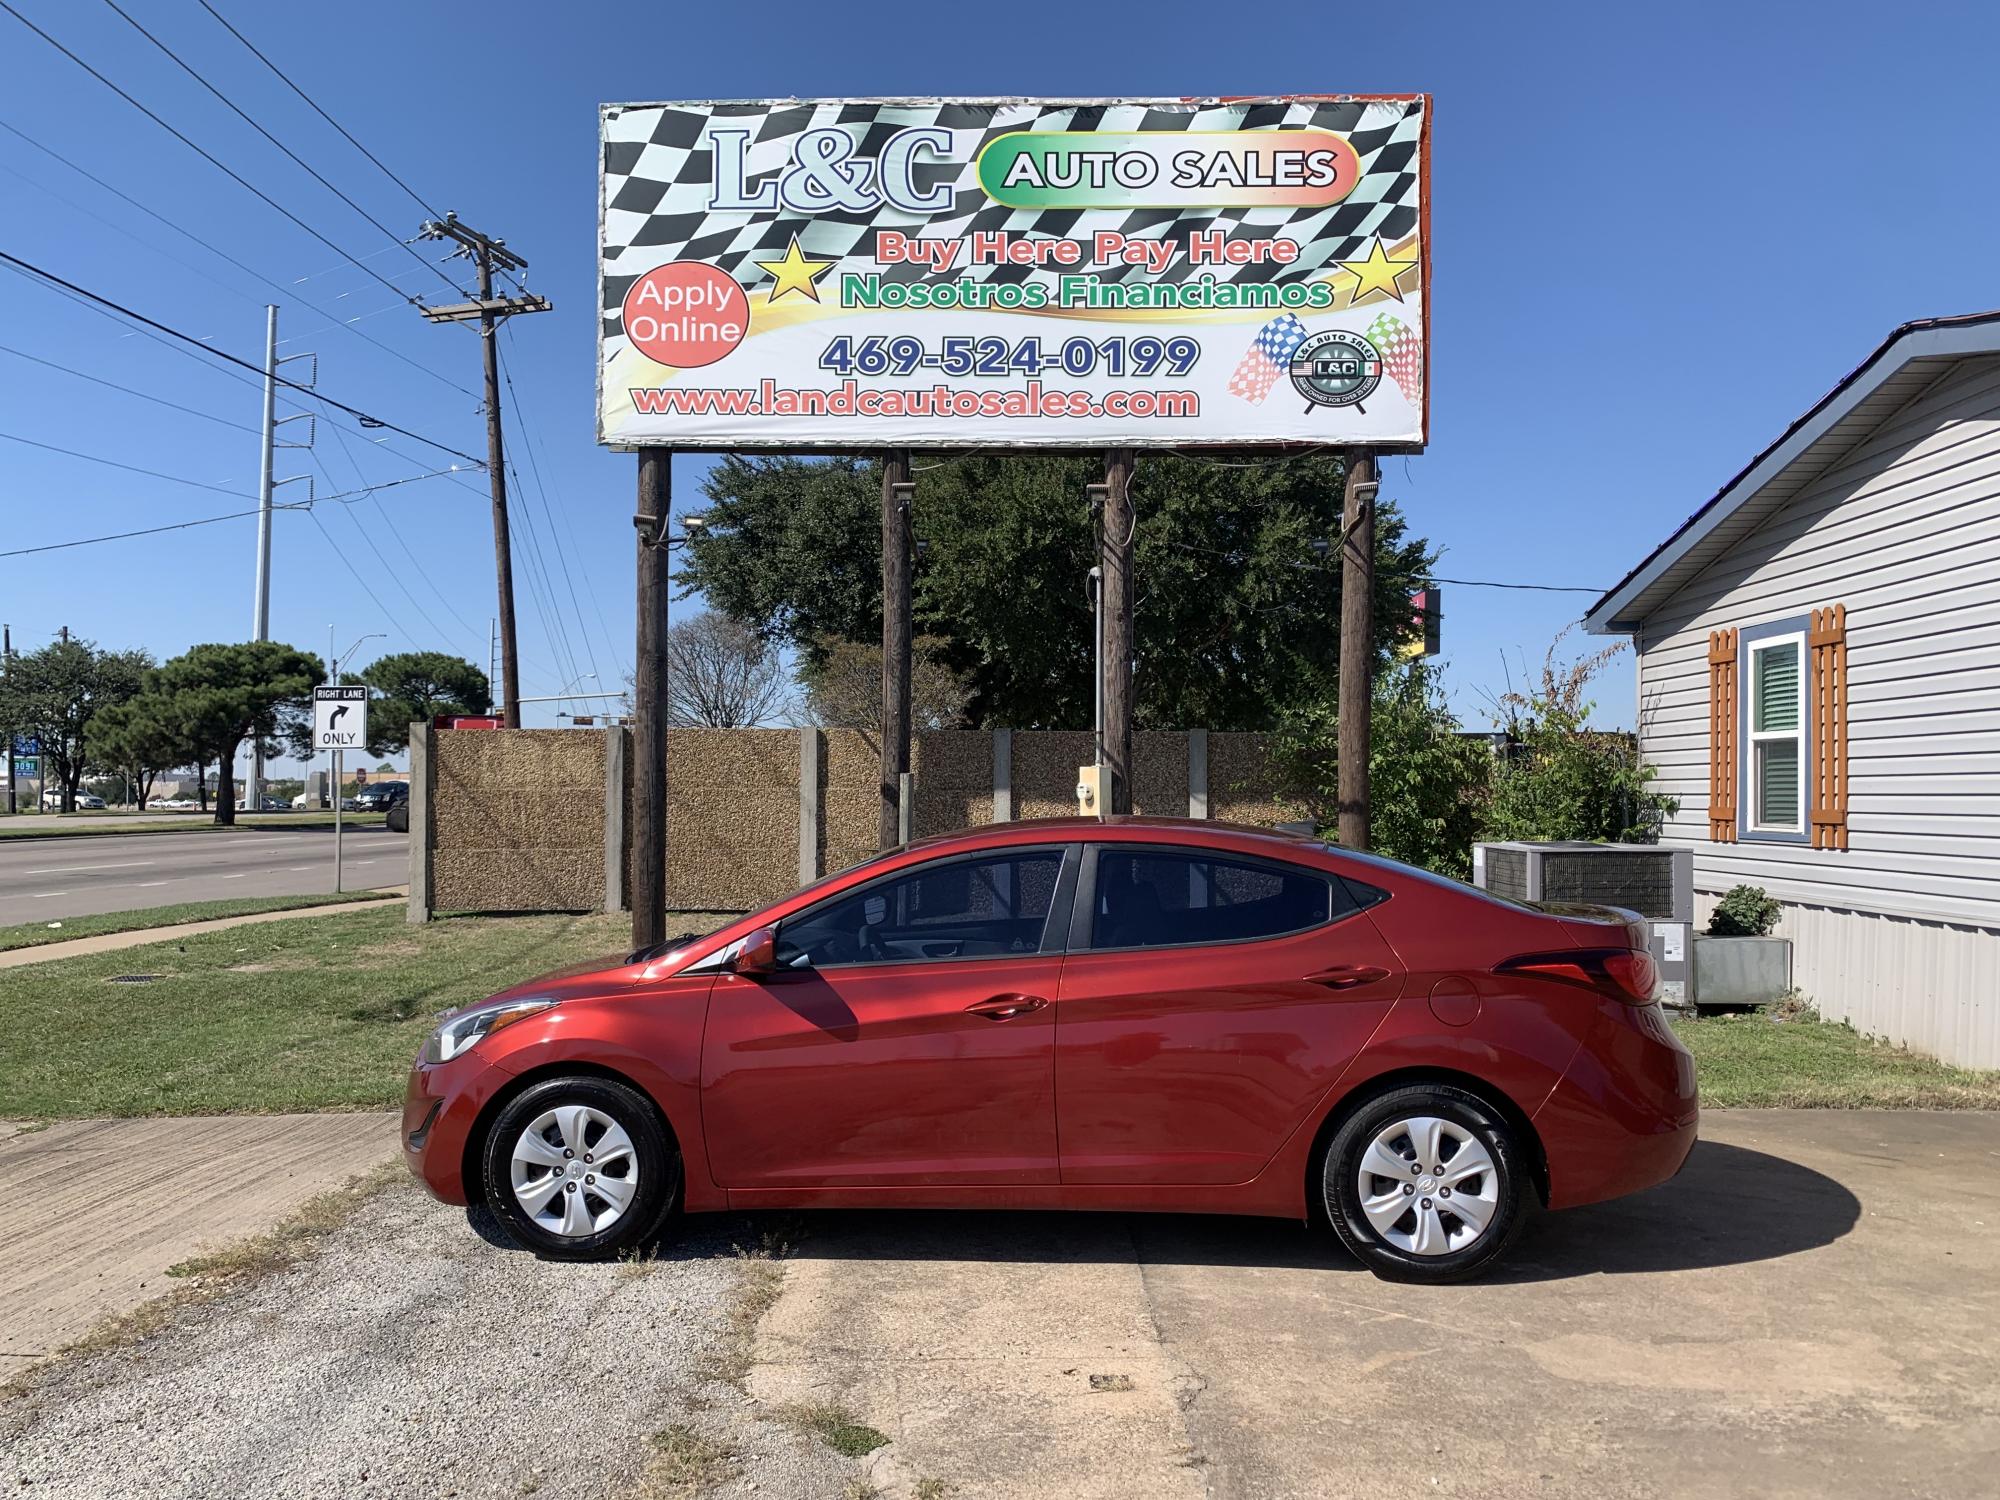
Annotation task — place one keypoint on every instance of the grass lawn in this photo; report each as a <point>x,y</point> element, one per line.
<point>91,825</point>
<point>1755,1061</point>
<point>39,934</point>
<point>314,1014</point>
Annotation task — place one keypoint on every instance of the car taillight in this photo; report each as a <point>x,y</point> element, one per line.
<point>1626,974</point>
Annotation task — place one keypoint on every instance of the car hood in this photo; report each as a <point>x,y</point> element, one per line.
<point>592,977</point>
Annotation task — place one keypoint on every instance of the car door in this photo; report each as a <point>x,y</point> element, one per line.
<point>1208,1001</point>
<point>907,1038</point>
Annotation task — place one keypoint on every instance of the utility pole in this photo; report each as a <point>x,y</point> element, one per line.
<point>1116,527</point>
<point>1357,646</point>
<point>7,658</point>
<point>649,709</point>
<point>489,311</point>
<point>492,656</point>
<point>897,494</point>
<point>267,485</point>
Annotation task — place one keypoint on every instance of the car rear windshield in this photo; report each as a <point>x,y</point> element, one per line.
<point>1429,877</point>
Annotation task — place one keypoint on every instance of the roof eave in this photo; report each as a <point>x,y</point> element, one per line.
<point>1926,338</point>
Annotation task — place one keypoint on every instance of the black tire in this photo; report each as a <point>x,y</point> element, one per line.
<point>1390,1255</point>
<point>653,1154</point>
<point>398,820</point>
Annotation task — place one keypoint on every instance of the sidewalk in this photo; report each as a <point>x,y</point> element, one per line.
<point>103,1207</point>
<point>111,942</point>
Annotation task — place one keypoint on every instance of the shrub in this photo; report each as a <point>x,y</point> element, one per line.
<point>1744,911</point>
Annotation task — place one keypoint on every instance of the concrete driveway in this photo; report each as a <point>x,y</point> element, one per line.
<point>1808,1310</point>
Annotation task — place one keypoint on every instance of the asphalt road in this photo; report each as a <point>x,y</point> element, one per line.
<point>46,880</point>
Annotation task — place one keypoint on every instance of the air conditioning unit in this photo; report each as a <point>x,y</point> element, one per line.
<point>1654,880</point>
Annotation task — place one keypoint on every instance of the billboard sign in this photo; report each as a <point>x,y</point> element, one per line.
<point>843,274</point>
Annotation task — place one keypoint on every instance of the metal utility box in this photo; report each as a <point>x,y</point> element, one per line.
<point>1654,880</point>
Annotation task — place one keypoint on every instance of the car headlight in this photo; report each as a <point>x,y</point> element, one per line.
<point>466,1029</point>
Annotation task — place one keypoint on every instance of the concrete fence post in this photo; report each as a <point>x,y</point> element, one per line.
<point>616,759</point>
<point>1197,753</point>
<point>1003,775</point>
<point>810,752</point>
<point>423,818</point>
<point>906,806</point>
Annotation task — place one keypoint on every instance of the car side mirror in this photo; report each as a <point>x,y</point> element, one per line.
<point>758,955</point>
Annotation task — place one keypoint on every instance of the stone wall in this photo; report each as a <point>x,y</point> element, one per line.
<point>519,823</point>
<point>517,820</point>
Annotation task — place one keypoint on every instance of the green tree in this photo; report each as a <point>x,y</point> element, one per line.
<point>54,693</point>
<point>417,686</point>
<point>1236,610</point>
<point>1427,779</point>
<point>1562,779</point>
<point>142,736</point>
<point>223,694</point>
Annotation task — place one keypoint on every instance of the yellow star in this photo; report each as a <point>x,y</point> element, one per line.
<point>1377,273</point>
<point>795,273</point>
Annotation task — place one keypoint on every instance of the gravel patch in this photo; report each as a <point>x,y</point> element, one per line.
<point>412,1356</point>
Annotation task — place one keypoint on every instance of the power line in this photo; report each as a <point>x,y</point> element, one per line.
<point>414,197</point>
<point>119,536</point>
<point>187,338</point>
<point>127,390</point>
<point>555,540</point>
<point>1540,588</point>
<point>112,463</point>
<point>293,155</point>
<point>205,155</point>
<point>224,255</point>
<point>348,563</point>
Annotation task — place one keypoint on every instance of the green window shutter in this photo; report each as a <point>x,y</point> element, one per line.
<point>1778,783</point>
<point>1774,689</point>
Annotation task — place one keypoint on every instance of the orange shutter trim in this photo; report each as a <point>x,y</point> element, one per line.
<point>1722,736</point>
<point>1828,641</point>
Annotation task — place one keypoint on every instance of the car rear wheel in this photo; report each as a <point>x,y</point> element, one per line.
<point>1426,1184</point>
<point>580,1168</point>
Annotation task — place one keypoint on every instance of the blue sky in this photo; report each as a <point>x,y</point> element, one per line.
<point>1658,235</point>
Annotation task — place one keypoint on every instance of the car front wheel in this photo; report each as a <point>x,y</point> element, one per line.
<point>580,1168</point>
<point>1425,1184</point>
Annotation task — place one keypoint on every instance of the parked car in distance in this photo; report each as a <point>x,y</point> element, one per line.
<point>85,801</point>
<point>380,796</point>
<point>1127,1013</point>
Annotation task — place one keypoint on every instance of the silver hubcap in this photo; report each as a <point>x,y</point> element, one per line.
<point>1428,1186</point>
<point>575,1171</point>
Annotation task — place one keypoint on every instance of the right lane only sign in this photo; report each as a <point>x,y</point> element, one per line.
<point>340,718</point>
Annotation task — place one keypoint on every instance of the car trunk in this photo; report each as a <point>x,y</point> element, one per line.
<point>1590,926</point>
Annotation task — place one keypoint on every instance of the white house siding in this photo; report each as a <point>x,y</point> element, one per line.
<point>1900,933</point>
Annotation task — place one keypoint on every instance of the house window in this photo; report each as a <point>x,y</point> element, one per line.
<point>1775,741</point>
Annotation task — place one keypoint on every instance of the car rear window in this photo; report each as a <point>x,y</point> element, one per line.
<point>1149,898</point>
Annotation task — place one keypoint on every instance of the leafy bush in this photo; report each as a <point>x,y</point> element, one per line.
<point>1563,780</point>
<point>1427,782</point>
<point>1744,911</point>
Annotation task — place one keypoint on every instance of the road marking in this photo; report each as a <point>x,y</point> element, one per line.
<point>243,875</point>
<point>144,883</point>
<point>123,864</point>
<point>44,895</point>
<point>294,869</point>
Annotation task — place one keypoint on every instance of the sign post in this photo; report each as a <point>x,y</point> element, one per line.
<point>340,724</point>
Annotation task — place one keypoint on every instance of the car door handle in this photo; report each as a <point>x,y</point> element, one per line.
<point>1006,1007</point>
<point>1347,976</point>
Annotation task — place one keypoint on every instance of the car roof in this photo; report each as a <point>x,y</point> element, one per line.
<point>1117,827</point>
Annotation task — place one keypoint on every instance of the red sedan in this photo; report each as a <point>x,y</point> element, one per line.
<point>1131,1013</point>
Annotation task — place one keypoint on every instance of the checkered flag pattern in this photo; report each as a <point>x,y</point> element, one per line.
<point>658,172</point>
<point>1269,355</point>
<point>1402,350</point>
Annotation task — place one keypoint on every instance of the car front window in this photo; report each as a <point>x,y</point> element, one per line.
<point>990,907</point>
